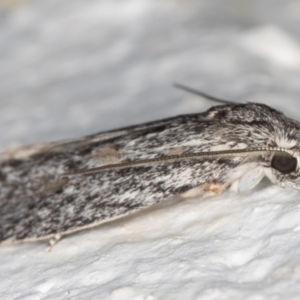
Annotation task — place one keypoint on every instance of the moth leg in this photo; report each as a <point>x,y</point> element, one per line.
<point>54,240</point>
<point>207,189</point>
<point>249,180</point>
<point>278,179</point>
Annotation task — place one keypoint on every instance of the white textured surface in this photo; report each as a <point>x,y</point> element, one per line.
<point>72,67</point>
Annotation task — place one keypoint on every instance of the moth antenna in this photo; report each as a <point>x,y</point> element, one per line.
<point>184,157</point>
<point>201,94</point>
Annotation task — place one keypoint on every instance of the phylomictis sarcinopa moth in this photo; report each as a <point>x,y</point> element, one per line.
<point>53,189</point>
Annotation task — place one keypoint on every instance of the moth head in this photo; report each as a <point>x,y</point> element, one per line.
<point>283,165</point>
<point>284,169</point>
<point>280,165</point>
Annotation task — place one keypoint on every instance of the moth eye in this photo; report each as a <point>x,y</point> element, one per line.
<point>284,163</point>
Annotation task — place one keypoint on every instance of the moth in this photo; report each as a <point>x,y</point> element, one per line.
<point>54,189</point>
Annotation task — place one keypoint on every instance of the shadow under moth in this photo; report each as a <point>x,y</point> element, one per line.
<point>50,190</point>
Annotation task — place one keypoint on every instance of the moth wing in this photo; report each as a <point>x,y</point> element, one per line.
<point>57,207</point>
<point>25,152</point>
<point>36,201</point>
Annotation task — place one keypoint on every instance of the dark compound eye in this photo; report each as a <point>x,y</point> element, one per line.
<point>284,163</point>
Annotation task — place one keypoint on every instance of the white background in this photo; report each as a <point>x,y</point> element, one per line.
<point>75,67</point>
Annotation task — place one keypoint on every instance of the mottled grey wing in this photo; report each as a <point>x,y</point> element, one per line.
<point>48,205</point>
<point>36,201</point>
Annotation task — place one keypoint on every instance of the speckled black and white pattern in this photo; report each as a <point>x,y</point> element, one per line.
<point>37,202</point>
